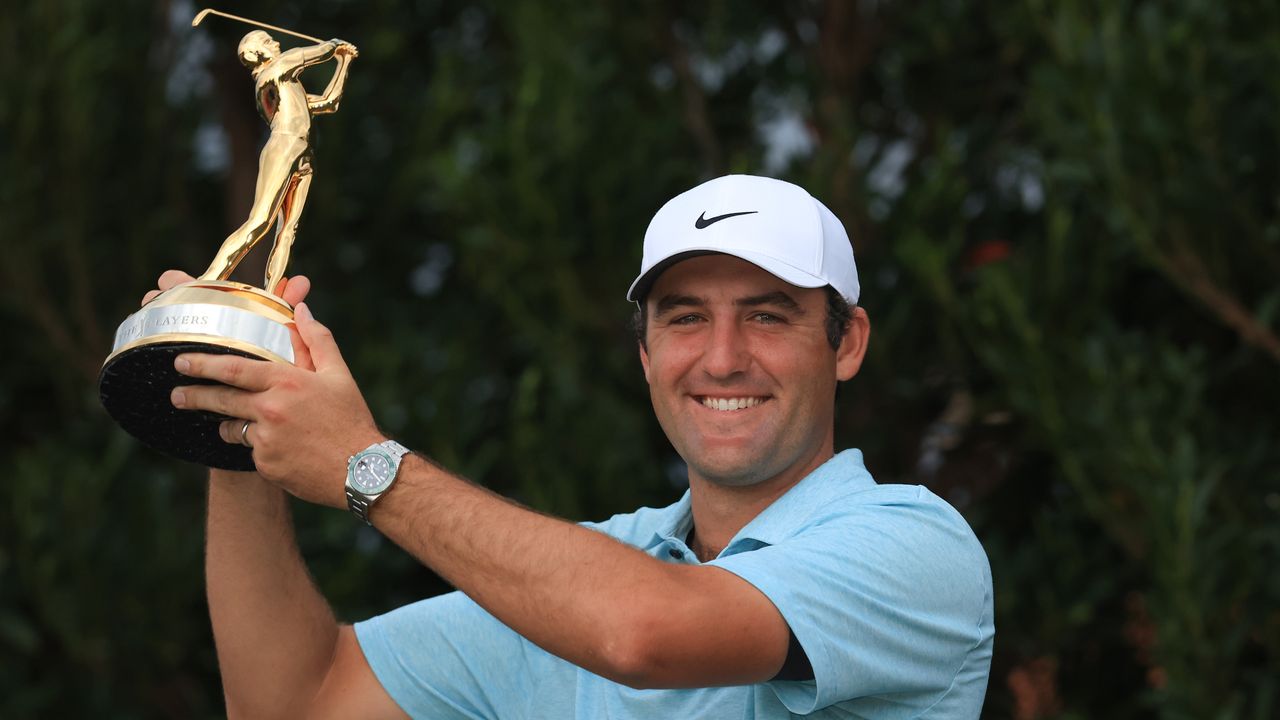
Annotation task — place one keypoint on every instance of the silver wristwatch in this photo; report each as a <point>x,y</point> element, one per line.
<point>370,473</point>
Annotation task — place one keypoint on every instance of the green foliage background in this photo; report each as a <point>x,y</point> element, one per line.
<point>1066,215</point>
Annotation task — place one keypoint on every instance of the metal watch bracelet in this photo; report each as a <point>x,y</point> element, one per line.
<point>359,503</point>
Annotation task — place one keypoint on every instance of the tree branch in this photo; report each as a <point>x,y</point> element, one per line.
<point>1189,272</point>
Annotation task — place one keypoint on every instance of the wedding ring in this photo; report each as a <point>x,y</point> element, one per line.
<point>244,434</point>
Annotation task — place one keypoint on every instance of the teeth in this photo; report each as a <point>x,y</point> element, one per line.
<point>731,403</point>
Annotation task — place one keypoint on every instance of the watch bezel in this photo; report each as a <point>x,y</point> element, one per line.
<point>392,463</point>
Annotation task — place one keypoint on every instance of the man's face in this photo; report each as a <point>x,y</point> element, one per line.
<point>740,371</point>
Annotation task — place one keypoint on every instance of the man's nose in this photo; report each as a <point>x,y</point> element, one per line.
<point>726,353</point>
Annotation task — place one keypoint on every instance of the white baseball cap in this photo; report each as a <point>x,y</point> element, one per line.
<point>770,223</point>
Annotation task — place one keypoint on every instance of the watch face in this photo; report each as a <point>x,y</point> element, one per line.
<point>372,473</point>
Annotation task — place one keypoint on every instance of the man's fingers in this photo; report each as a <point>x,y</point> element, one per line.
<point>214,398</point>
<point>237,432</point>
<point>296,289</point>
<point>324,349</point>
<point>172,278</point>
<point>301,353</point>
<point>240,372</point>
<point>168,279</point>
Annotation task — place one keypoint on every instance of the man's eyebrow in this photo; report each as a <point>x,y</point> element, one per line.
<point>777,298</point>
<point>669,302</point>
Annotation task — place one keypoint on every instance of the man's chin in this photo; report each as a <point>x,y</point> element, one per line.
<point>729,471</point>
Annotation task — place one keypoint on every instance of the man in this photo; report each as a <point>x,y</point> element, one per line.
<point>784,581</point>
<point>284,167</point>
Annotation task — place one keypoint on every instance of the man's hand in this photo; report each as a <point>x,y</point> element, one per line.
<point>305,419</point>
<point>304,424</point>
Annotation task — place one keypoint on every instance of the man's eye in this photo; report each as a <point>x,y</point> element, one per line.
<point>767,318</point>
<point>685,320</point>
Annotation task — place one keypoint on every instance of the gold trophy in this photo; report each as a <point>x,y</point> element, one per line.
<point>213,314</point>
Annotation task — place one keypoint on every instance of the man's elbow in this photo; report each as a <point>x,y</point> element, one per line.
<point>629,665</point>
<point>635,656</point>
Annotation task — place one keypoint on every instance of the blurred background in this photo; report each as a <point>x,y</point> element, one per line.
<point>1066,216</point>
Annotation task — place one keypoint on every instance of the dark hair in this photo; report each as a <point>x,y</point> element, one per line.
<point>839,315</point>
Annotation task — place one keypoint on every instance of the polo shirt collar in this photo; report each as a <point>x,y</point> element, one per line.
<point>843,474</point>
<point>674,522</point>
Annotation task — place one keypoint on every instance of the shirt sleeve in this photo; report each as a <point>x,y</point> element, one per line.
<point>886,599</point>
<point>446,657</point>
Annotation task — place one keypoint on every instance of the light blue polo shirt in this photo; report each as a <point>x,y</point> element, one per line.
<point>885,587</point>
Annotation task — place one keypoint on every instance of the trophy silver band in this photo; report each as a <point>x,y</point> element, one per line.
<point>213,314</point>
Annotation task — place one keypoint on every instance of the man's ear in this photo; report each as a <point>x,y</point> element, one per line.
<point>853,345</point>
<point>644,360</point>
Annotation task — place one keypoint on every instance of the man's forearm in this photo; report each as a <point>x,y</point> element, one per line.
<point>576,593</point>
<point>275,633</point>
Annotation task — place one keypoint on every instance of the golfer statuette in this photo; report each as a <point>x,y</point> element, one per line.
<point>213,314</point>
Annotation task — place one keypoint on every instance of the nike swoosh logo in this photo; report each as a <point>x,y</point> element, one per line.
<point>703,221</point>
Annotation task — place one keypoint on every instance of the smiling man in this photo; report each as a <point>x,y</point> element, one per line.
<point>784,582</point>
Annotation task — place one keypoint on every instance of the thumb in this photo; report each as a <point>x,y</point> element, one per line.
<point>318,339</point>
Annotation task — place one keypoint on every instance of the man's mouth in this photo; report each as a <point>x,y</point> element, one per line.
<point>729,404</point>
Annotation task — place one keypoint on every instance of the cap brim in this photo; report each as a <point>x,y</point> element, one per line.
<point>781,270</point>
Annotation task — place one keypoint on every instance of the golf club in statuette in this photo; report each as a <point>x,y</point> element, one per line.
<point>213,314</point>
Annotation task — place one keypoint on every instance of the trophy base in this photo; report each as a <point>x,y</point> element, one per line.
<point>134,388</point>
<point>214,317</point>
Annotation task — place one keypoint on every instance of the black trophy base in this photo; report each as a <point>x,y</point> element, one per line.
<point>135,386</point>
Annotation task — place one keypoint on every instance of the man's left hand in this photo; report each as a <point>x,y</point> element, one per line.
<point>303,424</point>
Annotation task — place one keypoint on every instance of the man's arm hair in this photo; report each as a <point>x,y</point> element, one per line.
<point>581,595</point>
<point>280,650</point>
